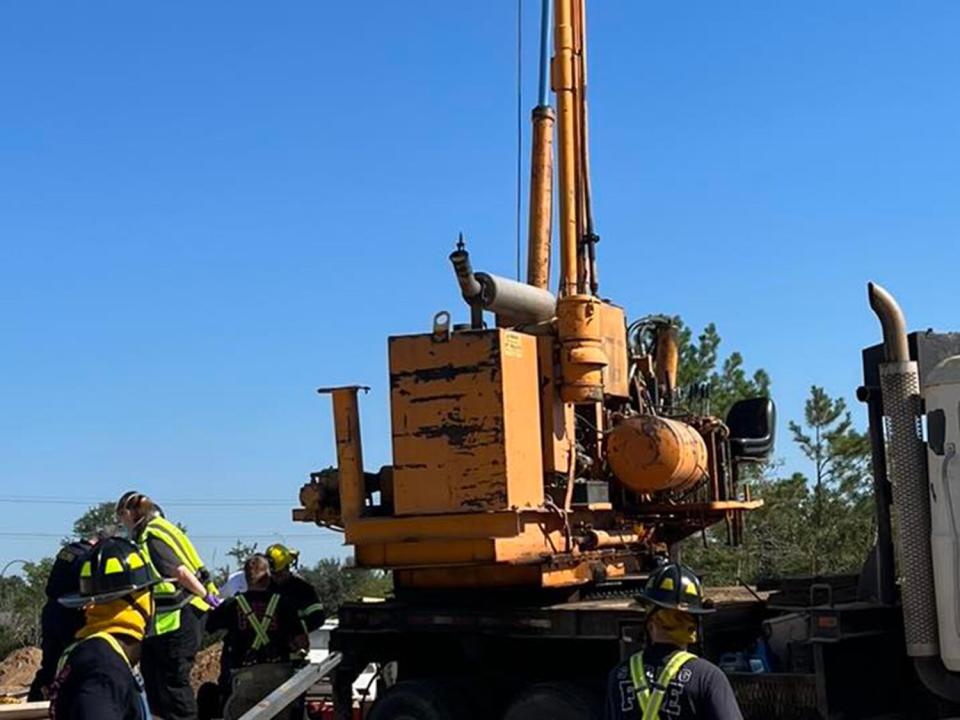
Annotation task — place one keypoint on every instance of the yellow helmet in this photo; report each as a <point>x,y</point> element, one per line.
<point>281,557</point>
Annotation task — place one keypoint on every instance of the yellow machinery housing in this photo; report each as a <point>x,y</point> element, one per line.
<point>554,447</point>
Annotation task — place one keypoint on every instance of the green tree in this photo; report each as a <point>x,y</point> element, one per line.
<point>842,502</point>
<point>822,524</point>
<point>337,583</point>
<point>98,518</point>
<point>240,552</point>
<point>727,379</point>
<point>21,600</point>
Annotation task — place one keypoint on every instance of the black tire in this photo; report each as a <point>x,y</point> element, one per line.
<point>554,701</point>
<point>419,700</point>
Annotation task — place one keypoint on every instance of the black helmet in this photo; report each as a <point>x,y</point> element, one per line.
<point>676,588</point>
<point>111,569</point>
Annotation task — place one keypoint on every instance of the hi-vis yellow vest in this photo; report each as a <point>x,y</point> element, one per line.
<point>651,700</point>
<point>170,597</point>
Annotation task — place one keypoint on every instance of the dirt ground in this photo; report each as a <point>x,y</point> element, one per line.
<point>18,668</point>
<point>207,666</point>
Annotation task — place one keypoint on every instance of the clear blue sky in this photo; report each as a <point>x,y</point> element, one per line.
<point>209,209</point>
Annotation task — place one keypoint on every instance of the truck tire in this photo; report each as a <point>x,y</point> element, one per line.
<point>418,700</point>
<point>554,701</point>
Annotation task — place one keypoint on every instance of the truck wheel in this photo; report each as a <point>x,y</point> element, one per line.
<point>418,700</point>
<point>554,701</point>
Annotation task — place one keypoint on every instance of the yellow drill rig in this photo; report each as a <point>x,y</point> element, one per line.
<point>546,443</point>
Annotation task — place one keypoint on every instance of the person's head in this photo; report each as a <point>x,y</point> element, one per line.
<point>256,571</point>
<point>115,591</point>
<point>674,600</point>
<point>282,560</point>
<point>134,509</point>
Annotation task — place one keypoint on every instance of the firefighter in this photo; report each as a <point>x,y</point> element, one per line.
<point>95,679</point>
<point>265,637</point>
<point>664,681</point>
<point>298,591</point>
<point>183,598</point>
<point>59,624</point>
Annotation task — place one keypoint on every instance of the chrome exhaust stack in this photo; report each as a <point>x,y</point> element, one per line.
<point>907,471</point>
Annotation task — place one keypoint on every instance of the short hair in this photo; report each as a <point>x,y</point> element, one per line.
<point>256,570</point>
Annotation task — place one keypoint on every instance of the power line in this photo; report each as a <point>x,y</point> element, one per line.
<point>192,502</point>
<point>236,536</point>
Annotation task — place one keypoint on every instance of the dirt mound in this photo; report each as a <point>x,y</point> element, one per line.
<point>18,669</point>
<point>207,666</point>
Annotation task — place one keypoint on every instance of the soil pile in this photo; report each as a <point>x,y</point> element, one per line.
<point>18,669</point>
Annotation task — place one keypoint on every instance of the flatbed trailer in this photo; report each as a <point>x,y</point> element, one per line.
<point>495,658</point>
<point>490,654</point>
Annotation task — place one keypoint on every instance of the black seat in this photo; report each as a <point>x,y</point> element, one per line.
<point>753,426</point>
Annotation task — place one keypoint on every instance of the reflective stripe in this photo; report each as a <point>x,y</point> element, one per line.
<point>260,626</point>
<point>650,702</point>
<point>117,648</point>
<point>111,641</point>
<point>310,609</point>
<point>166,622</point>
<point>169,594</point>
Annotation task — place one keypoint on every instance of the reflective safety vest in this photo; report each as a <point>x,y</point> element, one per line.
<point>649,699</point>
<point>169,596</point>
<point>260,626</point>
<point>118,649</point>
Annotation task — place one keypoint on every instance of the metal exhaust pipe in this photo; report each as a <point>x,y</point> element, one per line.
<point>907,471</point>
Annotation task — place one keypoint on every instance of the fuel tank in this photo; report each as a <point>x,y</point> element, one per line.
<point>651,454</point>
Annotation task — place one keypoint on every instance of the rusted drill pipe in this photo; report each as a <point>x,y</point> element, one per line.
<point>541,166</point>
<point>541,198</point>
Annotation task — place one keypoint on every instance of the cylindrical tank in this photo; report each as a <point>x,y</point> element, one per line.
<point>650,454</point>
<point>582,359</point>
<point>942,398</point>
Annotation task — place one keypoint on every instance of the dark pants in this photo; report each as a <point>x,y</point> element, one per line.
<point>58,627</point>
<point>166,663</point>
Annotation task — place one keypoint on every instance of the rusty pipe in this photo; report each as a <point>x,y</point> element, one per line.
<point>600,539</point>
<point>541,198</point>
<point>667,361</point>
<point>346,422</point>
<point>894,324</point>
<point>564,86</point>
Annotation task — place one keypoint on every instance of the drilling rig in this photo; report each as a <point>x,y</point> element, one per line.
<point>547,453</point>
<point>545,443</point>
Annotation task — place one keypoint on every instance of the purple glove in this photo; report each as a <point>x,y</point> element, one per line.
<point>212,600</point>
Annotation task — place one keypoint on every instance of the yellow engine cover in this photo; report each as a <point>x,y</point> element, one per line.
<point>650,454</point>
<point>466,422</point>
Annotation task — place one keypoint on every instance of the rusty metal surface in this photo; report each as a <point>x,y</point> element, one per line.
<point>556,417</point>
<point>466,422</point>
<point>649,454</point>
<point>616,374</point>
<point>582,358</point>
<point>346,421</point>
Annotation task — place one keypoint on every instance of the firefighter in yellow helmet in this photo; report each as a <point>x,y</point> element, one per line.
<point>665,681</point>
<point>183,598</point>
<point>95,679</point>
<point>298,592</point>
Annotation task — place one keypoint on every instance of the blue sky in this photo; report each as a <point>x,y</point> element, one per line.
<point>207,210</point>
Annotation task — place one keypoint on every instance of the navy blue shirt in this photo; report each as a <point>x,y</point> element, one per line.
<point>96,683</point>
<point>700,691</point>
